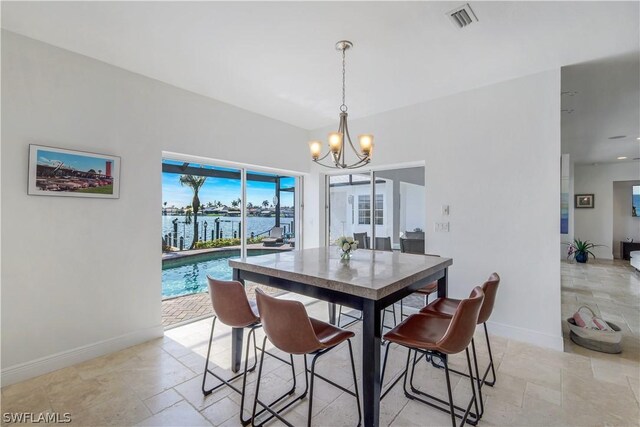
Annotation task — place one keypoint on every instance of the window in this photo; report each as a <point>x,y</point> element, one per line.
<point>364,209</point>
<point>379,213</point>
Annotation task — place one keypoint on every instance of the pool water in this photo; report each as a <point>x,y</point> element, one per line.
<point>188,275</point>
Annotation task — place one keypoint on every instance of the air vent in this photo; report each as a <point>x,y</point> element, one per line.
<point>462,16</point>
<point>618,137</point>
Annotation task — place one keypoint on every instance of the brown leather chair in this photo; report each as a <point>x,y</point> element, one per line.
<point>289,328</point>
<point>448,306</point>
<point>232,307</point>
<point>425,291</point>
<point>438,336</point>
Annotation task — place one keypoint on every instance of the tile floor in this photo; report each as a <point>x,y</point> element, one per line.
<point>158,383</point>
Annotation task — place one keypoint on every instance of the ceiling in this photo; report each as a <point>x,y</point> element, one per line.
<point>602,101</point>
<point>278,58</point>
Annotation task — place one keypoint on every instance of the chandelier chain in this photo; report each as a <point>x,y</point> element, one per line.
<point>343,107</point>
<point>340,141</point>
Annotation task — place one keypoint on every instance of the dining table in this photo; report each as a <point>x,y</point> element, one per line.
<point>369,281</point>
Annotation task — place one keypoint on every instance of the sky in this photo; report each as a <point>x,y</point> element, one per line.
<point>78,162</point>
<point>223,189</point>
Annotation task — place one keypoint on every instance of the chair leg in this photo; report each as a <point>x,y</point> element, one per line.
<point>355,381</point>
<point>493,369</point>
<point>395,320</point>
<point>451,406</point>
<point>413,393</point>
<point>252,333</point>
<point>267,407</point>
<point>313,369</point>
<point>228,381</point>
<point>490,367</point>
<point>475,363</point>
<point>474,401</point>
<point>340,314</point>
<point>255,397</point>
<point>206,361</point>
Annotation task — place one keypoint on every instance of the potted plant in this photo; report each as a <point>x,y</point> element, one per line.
<point>580,250</point>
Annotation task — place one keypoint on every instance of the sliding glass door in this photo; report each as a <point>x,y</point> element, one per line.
<point>270,212</point>
<point>213,212</point>
<point>379,209</point>
<point>349,207</point>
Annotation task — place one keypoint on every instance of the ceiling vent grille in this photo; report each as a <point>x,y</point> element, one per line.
<point>462,16</point>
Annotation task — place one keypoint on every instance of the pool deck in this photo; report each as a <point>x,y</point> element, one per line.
<point>188,308</point>
<point>194,252</point>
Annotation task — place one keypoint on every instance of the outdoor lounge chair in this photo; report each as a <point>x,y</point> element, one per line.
<point>275,237</point>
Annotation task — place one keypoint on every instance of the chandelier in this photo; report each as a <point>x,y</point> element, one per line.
<point>337,146</point>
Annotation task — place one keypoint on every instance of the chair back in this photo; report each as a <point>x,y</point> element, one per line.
<point>276,232</point>
<point>362,239</point>
<point>463,323</point>
<point>287,325</point>
<point>412,246</point>
<point>230,303</point>
<point>383,244</point>
<point>490,289</point>
<point>414,235</point>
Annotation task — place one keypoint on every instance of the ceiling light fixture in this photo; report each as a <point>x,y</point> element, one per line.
<point>337,148</point>
<point>622,158</point>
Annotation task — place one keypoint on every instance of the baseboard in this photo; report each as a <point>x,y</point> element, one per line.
<point>527,335</point>
<point>44,365</point>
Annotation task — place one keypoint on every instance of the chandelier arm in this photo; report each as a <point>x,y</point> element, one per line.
<point>323,157</point>
<point>332,166</point>
<point>358,155</point>
<point>356,165</point>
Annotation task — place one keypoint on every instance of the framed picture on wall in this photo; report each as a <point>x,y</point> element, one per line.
<point>584,200</point>
<point>69,173</point>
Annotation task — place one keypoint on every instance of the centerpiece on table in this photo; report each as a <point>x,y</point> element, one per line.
<point>580,250</point>
<point>347,246</point>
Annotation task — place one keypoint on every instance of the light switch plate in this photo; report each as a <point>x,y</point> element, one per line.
<point>441,227</point>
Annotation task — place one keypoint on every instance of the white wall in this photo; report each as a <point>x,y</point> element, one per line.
<point>82,277</point>
<point>596,225</point>
<point>412,208</point>
<point>624,225</point>
<point>492,155</point>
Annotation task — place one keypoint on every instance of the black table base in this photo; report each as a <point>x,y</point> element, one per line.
<point>371,338</point>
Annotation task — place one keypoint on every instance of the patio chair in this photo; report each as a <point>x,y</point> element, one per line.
<point>414,235</point>
<point>412,246</point>
<point>276,237</point>
<point>383,244</point>
<point>362,239</point>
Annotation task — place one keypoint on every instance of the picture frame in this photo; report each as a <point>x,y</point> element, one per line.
<point>70,173</point>
<point>584,201</point>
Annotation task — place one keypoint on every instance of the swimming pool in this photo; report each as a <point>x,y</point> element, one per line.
<point>188,275</point>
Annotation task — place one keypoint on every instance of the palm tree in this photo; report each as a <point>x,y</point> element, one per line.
<point>195,182</point>
<point>265,203</point>
<point>234,203</point>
